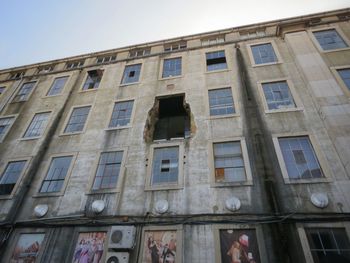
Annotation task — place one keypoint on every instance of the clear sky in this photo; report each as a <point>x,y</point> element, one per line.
<point>40,30</point>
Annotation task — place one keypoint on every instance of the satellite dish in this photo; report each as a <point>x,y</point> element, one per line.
<point>319,200</point>
<point>98,206</point>
<point>162,206</point>
<point>233,204</point>
<point>41,210</point>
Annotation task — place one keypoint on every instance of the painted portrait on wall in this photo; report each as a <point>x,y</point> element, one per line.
<point>239,246</point>
<point>89,247</point>
<point>159,246</point>
<point>27,248</point>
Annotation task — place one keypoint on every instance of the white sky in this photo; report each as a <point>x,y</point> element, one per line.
<point>40,30</point>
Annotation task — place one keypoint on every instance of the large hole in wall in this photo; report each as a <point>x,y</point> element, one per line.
<point>169,118</point>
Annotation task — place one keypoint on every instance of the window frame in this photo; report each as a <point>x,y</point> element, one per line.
<point>3,165</point>
<point>259,237</point>
<point>324,28</point>
<point>81,63</point>
<point>54,77</point>
<point>122,170</point>
<point>339,79</point>
<point>180,176</point>
<point>22,138</point>
<point>29,94</point>
<point>63,133</point>
<point>318,152</point>
<point>160,77</point>
<point>275,49</point>
<point>86,75</point>
<point>207,51</point>
<point>179,239</point>
<point>8,130</point>
<point>303,238</point>
<point>131,83</point>
<point>110,113</point>
<point>296,98</point>
<point>246,160</point>
<point>236,103</point>
<point>45,170</point>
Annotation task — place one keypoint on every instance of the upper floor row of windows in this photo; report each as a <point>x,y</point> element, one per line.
<point>327,40</point>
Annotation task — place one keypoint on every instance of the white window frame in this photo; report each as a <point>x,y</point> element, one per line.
<point>228,66</point>
<point>245,155</point>
<point>122,170</point>
<point>304,240</point>
<point>318,152</point>
<point>45,170</point>
<point>29,94</point>
<point>62,133</point>
<point>323,28</point>
<point>3,165</point>
<point>86,74</point>
<point>110,113</point>
<point>296,98</point>
<point>160,77</point>
<point>30,121</point>
<point>275,49</point>
<point>180,176</point>
<point>236,103</point>
<point>53,77</point>
<point>140,76</point>
<point>339,79</point>
<point>8,130</point>
<point>259,237</point>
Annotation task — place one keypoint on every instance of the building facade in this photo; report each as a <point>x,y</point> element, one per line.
<point>228,146</point>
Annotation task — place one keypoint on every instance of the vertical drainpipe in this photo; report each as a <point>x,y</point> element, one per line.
<point>258,136</point>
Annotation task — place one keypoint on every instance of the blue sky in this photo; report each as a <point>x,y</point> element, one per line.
<point>37,30</point>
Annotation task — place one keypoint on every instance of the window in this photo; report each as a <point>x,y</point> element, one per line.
<point>221,102</point>
<point>175,46</point>
<point>278,95</point>
<point>5,125</point>
<point>171,67</point>
<point>139,52</point>
<point>77,119</point>
<point>75,64</point>
<point>213,40</point>
<point>57,86</point>
<point>46,69</point>
<point>56,174</point>
<point>10,176</point>
<point>131,74</point>
<point>28,248</point>
<point>93,79</point>
<point>263,53</point>
<point>300,158</point>
<point>108,170</point>
<point>216,60</point>
<point>345,75</point>
<point>328,244</point>
<point>329,39</point>
<point>17,75</point>
<point>121,114</point>
<point>228,162</point>
<point>37,125</point>
<point>165,167</point>
<point>106,59</point>
<point>252,33</point>
<point>24,92</point>
<point>173,119</point>
<point>2,90</point>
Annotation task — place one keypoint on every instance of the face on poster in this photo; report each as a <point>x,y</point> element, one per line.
<point>27,248</point>
<point>89,247</point>
<point>159,246</point>
<point>239,246</point>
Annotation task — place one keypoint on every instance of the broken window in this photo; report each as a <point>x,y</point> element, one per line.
<point>75,64</point>
<point>106,59</point>
<point>2,90</point>
<point>93,79</point>
<point>330,39</point>
<point>46,69</point>
<point>10,176</point>
<point>221,102</point>
<point>173,119</point>
<point>171,67</point>
<point>278,95</point>
<point>24,92</point>
<point>131,74</point>
<point>264,53</point>
<point>57,86</point>
<point>17,75</point>
<point>139,52</point>
<point>121,114</point>
<point>165,168</point>
<point>216,60</point>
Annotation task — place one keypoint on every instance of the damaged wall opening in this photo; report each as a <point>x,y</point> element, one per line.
<point>168,119</point>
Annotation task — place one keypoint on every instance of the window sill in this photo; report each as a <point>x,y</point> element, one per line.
<point>214,117</point>
<point>104,191</point>
<point>29,138</point>
<point>71,133</point>
<point>18,101</point>
<point>55,194</point>
<point>231,184</point>
<point>170,78</point>
<point>50,96</point>
<point>217,71</point>
<point>307,181</point>
<point>284,110</point>
<point>335,50</point>
<point>6,197</point>
<point>163,188</point>
<point>88,90</point>
<point>129,84</point>
<point>118,128</point>
<point>266,64</point>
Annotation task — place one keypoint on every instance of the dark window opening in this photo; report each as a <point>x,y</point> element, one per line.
<point>173,119</point>
<point>165,167</point>
<point>93,79</point>
<point>131,74</point>
<point>216,60</point>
